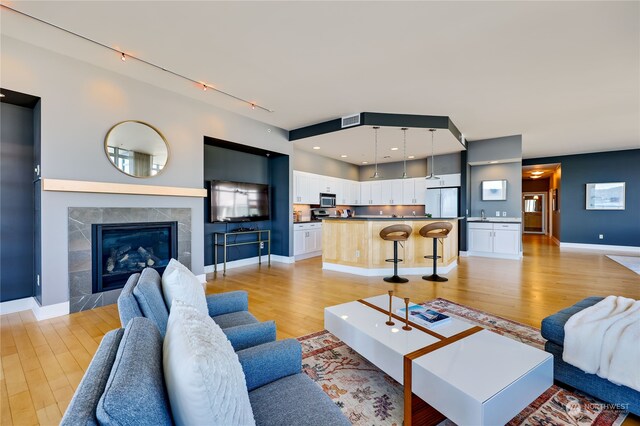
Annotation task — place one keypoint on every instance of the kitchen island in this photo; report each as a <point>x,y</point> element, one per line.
<point>353,245</point>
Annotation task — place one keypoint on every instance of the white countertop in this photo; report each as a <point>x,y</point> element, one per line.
<point>490,219</point>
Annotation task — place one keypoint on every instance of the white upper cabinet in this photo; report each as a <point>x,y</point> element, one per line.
<point>444,181</point>
<point>308,186</point>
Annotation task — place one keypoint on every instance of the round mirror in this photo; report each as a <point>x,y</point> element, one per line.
<point>136,148</point>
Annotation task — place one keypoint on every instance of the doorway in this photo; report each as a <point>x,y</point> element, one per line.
<point>534,206</point>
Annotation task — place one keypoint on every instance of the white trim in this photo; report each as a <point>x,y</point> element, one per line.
<point>17,305</point>
<point>308,255</point>
<point>380,272</point>
<point>495,255</point>
<point>49,311</point>
<point>202,278</point>
<point>463,253</point>
<point>208,269</point>
<point>626,249</point>
<point>30,303</point>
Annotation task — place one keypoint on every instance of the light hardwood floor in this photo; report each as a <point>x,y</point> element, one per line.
<point>43,362</point>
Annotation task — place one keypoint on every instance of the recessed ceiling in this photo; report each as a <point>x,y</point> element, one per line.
<point>539,171</point>
<point>562,74</point>
<point>358,144</point>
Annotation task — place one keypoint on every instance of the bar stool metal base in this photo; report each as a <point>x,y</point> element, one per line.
<point>435,277</point>
<point>396,279</point>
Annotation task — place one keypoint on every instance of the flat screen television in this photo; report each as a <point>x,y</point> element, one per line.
<point>238,201</point>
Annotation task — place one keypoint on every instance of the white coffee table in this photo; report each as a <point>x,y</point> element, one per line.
<point>470,375</point>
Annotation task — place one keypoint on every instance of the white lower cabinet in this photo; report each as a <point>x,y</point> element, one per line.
<point>307,239</point>
<point>495,240</point>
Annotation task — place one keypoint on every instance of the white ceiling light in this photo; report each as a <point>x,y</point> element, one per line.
<point>432,175</point>
<point>404,153</point>
<point>316,147</point>
<point>376,175</point>
<point>395,148</point>
<point>365,162</point>
<point>343,156</point>
<point>537,173</point>
<point>411,157</point>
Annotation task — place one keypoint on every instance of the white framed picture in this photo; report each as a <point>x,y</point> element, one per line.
<point>605,196</point>
<point>494,190</point>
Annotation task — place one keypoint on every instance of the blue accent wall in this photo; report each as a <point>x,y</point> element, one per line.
<point>579,225</point>
<point>228,164</point>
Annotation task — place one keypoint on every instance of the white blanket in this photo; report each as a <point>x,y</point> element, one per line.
<point>604,339</point>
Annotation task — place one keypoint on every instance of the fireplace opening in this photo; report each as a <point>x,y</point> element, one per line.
<point>121,249</point>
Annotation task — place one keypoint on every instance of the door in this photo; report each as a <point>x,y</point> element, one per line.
<point>480,240</point>
<point>376,194</point>
<point>298,242</point>
<point>432,203</point>
<point>506,242</point>
<point>449,202</point>
<point>420,193</point>
<point>408,192</point>
<point>365,193</point>
<point>17,206</point>
<point>533,208</point>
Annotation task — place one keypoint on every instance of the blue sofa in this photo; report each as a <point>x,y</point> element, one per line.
<point>124,384</point>
<point>142,297</point>
<point>553,330</point>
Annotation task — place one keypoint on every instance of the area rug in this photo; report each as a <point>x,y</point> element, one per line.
<point>367,396</point>
<point>629,262</point>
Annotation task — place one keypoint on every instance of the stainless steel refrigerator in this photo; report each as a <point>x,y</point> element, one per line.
<point>442,202</point>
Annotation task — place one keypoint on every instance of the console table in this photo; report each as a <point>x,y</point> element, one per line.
<point>224,237</point>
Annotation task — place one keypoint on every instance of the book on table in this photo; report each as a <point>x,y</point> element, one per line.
<point>423,316</point>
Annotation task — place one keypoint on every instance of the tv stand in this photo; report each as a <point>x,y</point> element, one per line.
<point>224,244</point>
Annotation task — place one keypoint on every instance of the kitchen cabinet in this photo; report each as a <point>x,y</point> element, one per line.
<point>413,191</point>
<point>495,239</point>
<point>444,181</point>
<point>307,239</point>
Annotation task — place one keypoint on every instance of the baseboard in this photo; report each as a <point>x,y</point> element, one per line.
<point>463,253</point>
<point>626,249</point>
<point>308,255</point>
<point>50,311</point>
<point>18,305</point>
<point>495,255</point>
<point>380,272</point>
<point>555,240</point>
<point>40,312</point>
<point>249,261</point>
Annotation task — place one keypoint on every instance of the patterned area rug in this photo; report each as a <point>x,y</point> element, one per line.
<point>367,396</point>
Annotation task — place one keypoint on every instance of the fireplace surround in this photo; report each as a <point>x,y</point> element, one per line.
<point>80,221</point>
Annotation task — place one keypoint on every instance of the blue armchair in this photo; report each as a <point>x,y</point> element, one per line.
<point>142,297</point>
<point>125,385</point>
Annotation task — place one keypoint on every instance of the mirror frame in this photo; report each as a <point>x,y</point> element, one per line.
<point>166,143</point>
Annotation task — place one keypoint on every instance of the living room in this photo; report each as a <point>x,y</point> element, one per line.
<point>226,111</point>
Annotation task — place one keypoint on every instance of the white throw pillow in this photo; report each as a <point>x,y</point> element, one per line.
<point>205,381</point>
<point>179,283</point>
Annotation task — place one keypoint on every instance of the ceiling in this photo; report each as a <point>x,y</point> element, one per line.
<point>358,144</point>
<point>539,171</point>
<point>562,74</point>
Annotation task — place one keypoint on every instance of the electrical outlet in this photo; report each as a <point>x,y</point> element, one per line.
<point>601,236</point>
<point>413,212</point>
<point>261,245</point>
<point>380,211</point>
<point>497,214</point>
<point>357,253</point>
<point>504,214</point>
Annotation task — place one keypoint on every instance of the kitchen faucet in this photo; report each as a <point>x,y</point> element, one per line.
<point>483,216</point>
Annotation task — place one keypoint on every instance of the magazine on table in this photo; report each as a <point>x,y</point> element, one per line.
<point>423,316</point>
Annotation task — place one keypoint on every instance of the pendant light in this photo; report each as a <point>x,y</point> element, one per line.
<point>432,176</point>
<point>376,175</point>
<point>404,153</point>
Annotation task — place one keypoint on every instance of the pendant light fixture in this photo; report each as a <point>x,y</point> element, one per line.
<point>376,175</point>
<point>432,176</point>
<point>404,153</point>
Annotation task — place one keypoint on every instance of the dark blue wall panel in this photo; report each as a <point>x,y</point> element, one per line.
<point>580,225</point>
<point>231,165</point>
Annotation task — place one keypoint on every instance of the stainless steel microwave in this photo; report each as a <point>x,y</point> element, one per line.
<point>327,200</point>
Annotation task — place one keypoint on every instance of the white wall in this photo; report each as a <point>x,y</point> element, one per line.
<point>80,102</point>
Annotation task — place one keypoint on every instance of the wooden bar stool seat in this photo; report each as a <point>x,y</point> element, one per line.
<point>395,233</point>
<point>435,230</point>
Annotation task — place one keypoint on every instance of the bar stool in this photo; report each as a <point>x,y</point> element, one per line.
<point>395,233</point>
<point>435,230</point>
